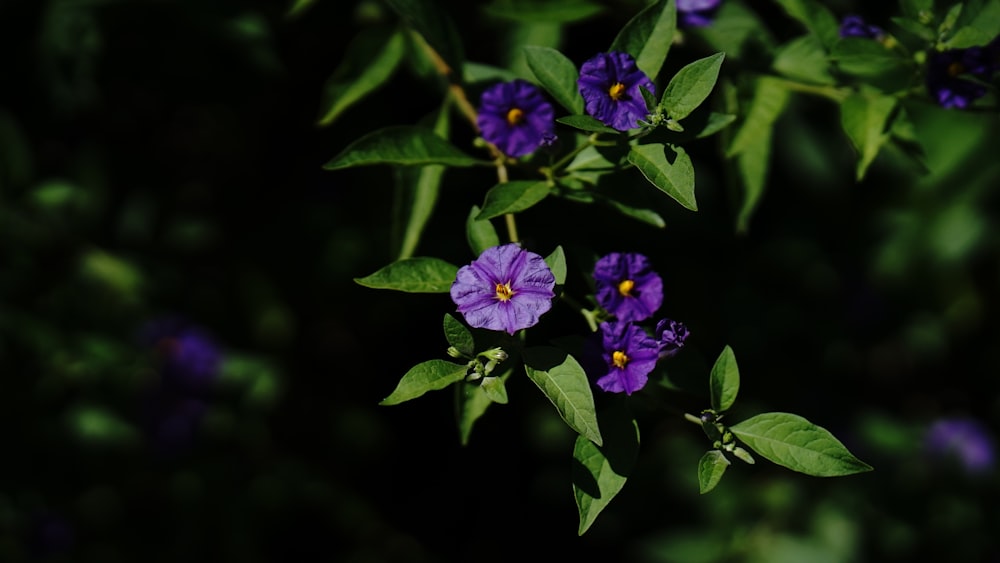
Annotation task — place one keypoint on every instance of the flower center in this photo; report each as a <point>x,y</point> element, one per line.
<point>619,359</point>
<point>515,116</point>
<point>616,91</point>
<point>504,292</point>
<point>955,68</point>
<point>625,288</point>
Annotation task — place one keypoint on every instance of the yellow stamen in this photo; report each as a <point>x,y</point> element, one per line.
<point>619,359</point>
<point>515,116</point>
<point>504,292</point>
<point>616,91</point>
<point>955,68</point>
<point>625,288</point>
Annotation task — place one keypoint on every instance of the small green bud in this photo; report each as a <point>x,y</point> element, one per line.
<point>743,455</point>
<point>453,352</point>
<point>674,126</point>
<point>494,354</point>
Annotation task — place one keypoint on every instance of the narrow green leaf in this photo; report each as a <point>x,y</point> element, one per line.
<point>298,8</point>
<point>866,58</point>
<point>550,11</point>
<point>556,262</point>
<point>433,22</point>
<point>724,382</point>
<point>647,216</point>
<point>563,381</point>
<point>916,9</point>
<point>669,169</point>
<point>975,27</point>
<point>716,122</point>
<point>769,99</point>
<point>916,28</point>
<point>495,389</point>
<point>816,17</point>
<point>420,188</point>
<point>711,468</point>
<point>512,197</point>
<point>403,145</point>
<point>793,442</point>
<point>458,335</point>
<point>557,74</point>
<point>368,63</point>
<point>586,123</point>
<point>648,36</point>
<point>738,32</point>
<point>691,85</point>
<point>600,472</point>
<point>864,116</point>
<point>479,233</point>
<point>413,275</point>
<point>753,165</point>
<point>804,59</point>
<point>431,375</point>
<point>471,403</point>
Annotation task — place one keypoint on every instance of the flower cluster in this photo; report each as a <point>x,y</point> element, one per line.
<point>630,291</point>
<point>696,13</point>
<point>516,118</point>
<point>954,76</point>
<point>855,26</point>
<point>610,84</point>
<point>507,288</point>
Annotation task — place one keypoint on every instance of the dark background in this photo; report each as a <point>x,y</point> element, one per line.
<point>161,158</point>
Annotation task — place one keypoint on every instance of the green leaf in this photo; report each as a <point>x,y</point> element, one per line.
<point>298,8</point>
<point>864,116</point>
<point>793,442</point>
<point>471,403</point>
<point>715,123</point>
<point>737,30</point>
<point>534,11</point>
<point>916,9</point>
<point>804,59</point>
<point>432,21</point>
<point>405,145</point>
<point>691,85</point>
<point>916,28</point>
<point>431,375</point>
<point>563,381</point>
<point>769,99</point>
<point>369,62</point>
<point>600,472</point>
<point>480,233</point>
<point>513,197</point>
<point>557,74</point>
<point>724,382</point>
<point>669,169</point>
<point>648,36</point>
<point>557,263</point>
<point>495,389</point>
<point>420,188</point>
<point>866,58</point>
<point>753,165</point>
<point>458,335</point>
<point>647,216</point>
<point>816,17</point>
<point>711,467</point>
<point>479,72</point>
<point>413,275</point>
<point>977,25</point>
<point>586,123</point>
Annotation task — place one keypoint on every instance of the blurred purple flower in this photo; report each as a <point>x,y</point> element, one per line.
<point>516,118</point>
<point>507,288</point>
<point>963,439</point>
<point>696,13</point>
<point>671,336</point>
<point>629,355</point>
<point>627,287</point>
<point>945,68</point>
<point>188,357</point>
<point>609,84</point>
<point>855,26</point>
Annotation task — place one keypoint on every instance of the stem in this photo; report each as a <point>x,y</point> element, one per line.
<point>591,141</point>
<point>454,87</point>
<point>692,418</point>
<point>588,315</point>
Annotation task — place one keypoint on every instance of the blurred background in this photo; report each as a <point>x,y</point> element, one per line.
<point>189,372</point>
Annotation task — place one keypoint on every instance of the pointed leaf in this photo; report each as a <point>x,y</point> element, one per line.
<point>427,376</point>
<point>600,472</point>
<point>977,25</point>
<point>512,197</point>
<point>711,467</point>
<point>550,11</point>
<point>563,381</point>
<point>369,62</point>
<point>586,123</point>
<point>420,188</point>
<point>816,17</point>
<point>804,59</point>
<point>863,116</point>
<point>769,99</point>
<point>557,74</point>
<point>716,122</point>
<point>691,85</point>
<point>458,335</point>
<point>403,145</point>
<point>480,233</point>
<point>793,442</point>
<point>413,275</point>
<point>724,382</point>
<point>648,36</point>
<point>647,216</point>
<point>557,263</point>
<point>471,402</point>
<point>669,169</point>
<point>433,22</point>
<point>495,389</point>
<point>753,165</point>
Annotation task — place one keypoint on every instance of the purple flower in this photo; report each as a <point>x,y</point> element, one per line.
<point>507,288</point>
<point>189,358</point>
<point>516,118</point>
<point>629,355</point>
<point>944,69</point>
<point>671,336</point>
<point>855,26</point>
<point>961,438</point>
<point>627,287</point>
<point>696,13</point>
<point>609,84</point>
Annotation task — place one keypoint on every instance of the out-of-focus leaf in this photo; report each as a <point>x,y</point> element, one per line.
<point>471,402</point>
<point>434,23</point>
<point>737,29</point>
<point>479,233</point>
<point>403,145</point>
<point>420,188</point>
<point>413,275</point>
<point>368,63</point>
<point>691,85</point>
<point>642,214</point>
<point>512,197</point>
<point>863,116</point>
<point>673,174</point>
<point>866,58</point>
<point>586,123</point>
<point>816,17</point>
<point>600,472</point>
<point>752,165</point>
<point>648,36</point>
<point>977,24</point>
<point>550,11</point>
<point>427,376</point>
<point>769,99</point>
<point>803,59</point>
<point>557,74</point>
<point>563,381</point>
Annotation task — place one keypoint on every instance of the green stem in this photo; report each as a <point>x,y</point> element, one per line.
<point>692,418</point>
<point>588,315</point>
<point>509,217</point>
